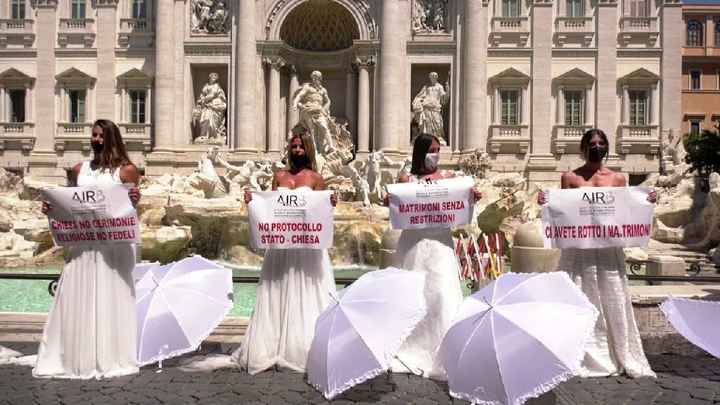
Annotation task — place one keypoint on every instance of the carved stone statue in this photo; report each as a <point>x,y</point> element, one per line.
<point>209,16</point>
<point>427,108</point>
<point>209,113</point>
<point>313,102</point>
<point>429,16</point>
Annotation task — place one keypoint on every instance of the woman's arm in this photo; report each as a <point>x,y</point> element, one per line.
<point>129,174</point>
<point>73,175</point>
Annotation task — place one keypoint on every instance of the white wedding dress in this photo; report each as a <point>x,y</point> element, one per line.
<point>615,344</point>
<point>91,328</point>
<point>295,286</point>
<point>429,251</point>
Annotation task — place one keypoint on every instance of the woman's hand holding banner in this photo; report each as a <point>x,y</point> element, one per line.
<point>291,219</point>
<point>597,217</point>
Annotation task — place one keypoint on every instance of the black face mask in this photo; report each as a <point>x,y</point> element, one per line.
<point>596,154</point>
<point>97,147</point>
<point>299,161</point>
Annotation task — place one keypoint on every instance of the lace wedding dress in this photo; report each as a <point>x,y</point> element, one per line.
<point>615,345</point>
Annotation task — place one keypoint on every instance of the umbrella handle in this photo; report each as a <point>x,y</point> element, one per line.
<point>408,367</point>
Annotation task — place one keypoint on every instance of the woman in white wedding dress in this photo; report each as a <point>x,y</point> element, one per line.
<point>90,331</point>
<point>615,345</point>
<point>430,251</point>
<point>295,286</point>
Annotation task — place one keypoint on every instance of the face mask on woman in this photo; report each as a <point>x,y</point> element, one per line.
<point>596,153</point>
<point>431,161</point>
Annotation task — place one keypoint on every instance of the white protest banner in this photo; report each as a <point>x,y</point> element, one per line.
<point>597,217</point>
<point>291,219</point>
<point>438,204</point>
<point>91,215</point>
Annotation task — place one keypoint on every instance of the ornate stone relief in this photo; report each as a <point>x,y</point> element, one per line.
<point>430,16</point>
<point>360,5</point>
<point>319,27</point>
<point>209,16</point>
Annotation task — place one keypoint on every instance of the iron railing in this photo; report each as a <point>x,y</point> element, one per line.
<point>54,278</point>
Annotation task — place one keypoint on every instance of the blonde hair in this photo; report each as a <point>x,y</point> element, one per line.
<point>303,134</point>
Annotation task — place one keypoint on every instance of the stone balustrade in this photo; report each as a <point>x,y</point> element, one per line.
<point>638,30</point>
<point>639,139</point>
<point>509,138</point>
<point>17,32</point>
<point>566,138</point>
<point>137,136</point>
<point>17,136</point>
<point>574,30</point>
<point>509,31</point>
<point>135,32</point>
<point>76,31</point>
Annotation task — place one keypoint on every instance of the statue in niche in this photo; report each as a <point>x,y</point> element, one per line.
<point>427,108</point>
<point>209,16</point>
<point>209,113</point>
<point>429,16</point>
<point>313,102</point>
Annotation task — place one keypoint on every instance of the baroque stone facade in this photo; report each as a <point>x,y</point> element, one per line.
<point>524,78</point>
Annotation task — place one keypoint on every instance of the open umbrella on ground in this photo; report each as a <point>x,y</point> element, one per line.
<point>178,306</point>
<point>8,356</point>
<point>517,338</point>
<point>696,320</point>
<point>357,337</point>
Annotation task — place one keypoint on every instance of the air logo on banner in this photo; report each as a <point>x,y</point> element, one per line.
<point>597,217</point>
<point>291,219</point>
<point>91,215</point>
<point>439,204</point>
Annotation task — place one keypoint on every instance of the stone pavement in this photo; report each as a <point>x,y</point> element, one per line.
<point>681,380</point>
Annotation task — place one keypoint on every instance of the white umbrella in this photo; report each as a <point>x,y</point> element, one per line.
<point>517,338</point>
<point>8,356</point>
<point>696,320</point>
<point>178,306</point>
<point>357,337</point>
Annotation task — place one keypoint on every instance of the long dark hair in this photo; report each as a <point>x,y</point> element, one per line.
<point>114,154</point>
<point>587,136</point>
<point>421,146</point>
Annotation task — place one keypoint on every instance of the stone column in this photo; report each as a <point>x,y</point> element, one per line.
<point>561,105</point>
<point>625,105</point>
<point>654,100</point>
<point>274,63</point>
<point>392,101</point>
<point>542,20</point>
<point>671,79</point>
<point>350,98</point>
<point>45,40</point>
<point>28,104</point>
<point>4,116</point>
<point>606,74</point>
<point>293,114</point>
<point>164,109</point>
<point>106,41</point>
<point>474,90</point>
<point>245,77</point>
<point>363,121</point>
